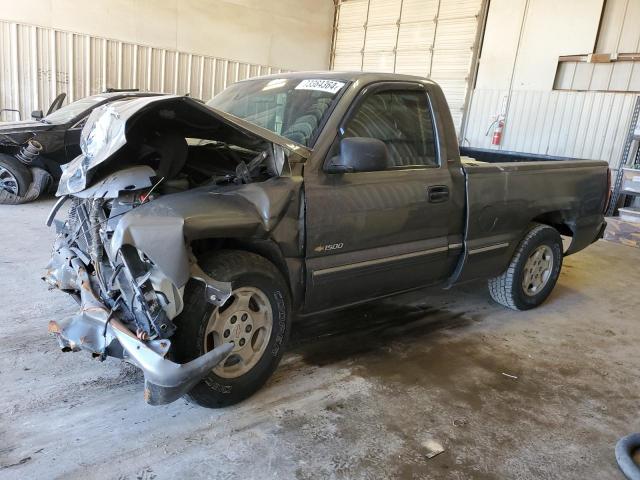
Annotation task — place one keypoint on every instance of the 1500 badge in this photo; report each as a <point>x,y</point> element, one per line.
<point>328,248</point>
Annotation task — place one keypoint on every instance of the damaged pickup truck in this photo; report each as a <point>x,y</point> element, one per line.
<point>196,232</point>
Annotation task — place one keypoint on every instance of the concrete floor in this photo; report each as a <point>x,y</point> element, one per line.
<point>359,394</point>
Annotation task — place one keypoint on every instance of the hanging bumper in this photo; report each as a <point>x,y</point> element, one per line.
<point>98,330</point>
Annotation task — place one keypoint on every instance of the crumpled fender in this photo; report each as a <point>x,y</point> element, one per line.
<point>163,228</point>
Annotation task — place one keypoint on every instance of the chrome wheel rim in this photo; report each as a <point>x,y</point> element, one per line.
<point>246,320</point>
<point>8,181</point>
<point>537,270</point>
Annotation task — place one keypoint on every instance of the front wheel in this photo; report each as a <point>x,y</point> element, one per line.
<point>256,318</point>
<point>532,272</point>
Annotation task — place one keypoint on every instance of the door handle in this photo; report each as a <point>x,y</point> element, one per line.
<point>438,193</point>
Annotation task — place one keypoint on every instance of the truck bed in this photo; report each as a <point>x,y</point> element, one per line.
<point>506,190</point>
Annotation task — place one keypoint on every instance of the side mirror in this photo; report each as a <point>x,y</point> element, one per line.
<point>37,115</point>
<point>360,154</point>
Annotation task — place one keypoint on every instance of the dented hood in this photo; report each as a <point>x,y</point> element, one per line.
<point>111,127</point>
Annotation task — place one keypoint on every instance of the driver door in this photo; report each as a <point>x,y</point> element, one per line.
<point>374,233</point>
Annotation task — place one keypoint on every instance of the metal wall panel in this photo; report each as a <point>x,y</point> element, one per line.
<point>618,76</point>
<point>37,64</point>
<point>618,37</point>
<point>588,125</point>
<point>619,32</point>
<point>428,38</point>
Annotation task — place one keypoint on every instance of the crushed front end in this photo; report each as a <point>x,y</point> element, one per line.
<point>127,304</point>
<point>137,197</point>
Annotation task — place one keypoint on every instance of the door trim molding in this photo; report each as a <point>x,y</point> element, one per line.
<point>489,248</point>
<point>378,261</point>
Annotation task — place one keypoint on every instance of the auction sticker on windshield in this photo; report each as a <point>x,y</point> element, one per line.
<point>330,86</point>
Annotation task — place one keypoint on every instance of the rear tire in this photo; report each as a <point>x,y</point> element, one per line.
<point>249,274</point>
<point>532,272</point>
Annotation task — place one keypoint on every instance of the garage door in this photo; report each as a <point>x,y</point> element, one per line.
<point>429,38</point>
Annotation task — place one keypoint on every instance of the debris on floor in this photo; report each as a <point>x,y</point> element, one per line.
<point>433,448</point>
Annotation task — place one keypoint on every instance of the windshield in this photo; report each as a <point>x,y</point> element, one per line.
<point>292,108</point>
<point>71,111</point>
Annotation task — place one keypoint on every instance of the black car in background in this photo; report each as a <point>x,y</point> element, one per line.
<point>32,151</point>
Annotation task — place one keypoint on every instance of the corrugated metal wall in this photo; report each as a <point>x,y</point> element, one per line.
<point>590,125</point>
<point>428,38</point>
<point>36,64</point>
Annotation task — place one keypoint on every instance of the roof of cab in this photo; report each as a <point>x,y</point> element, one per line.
<point>366,77</point>
<point>127,93</point>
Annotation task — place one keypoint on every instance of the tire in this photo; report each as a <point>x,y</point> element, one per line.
<point>18,171</point>
<point>40,184</point>
<point>509,289</point>
<point>246,272</point>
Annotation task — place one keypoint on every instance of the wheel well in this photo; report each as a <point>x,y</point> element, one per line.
<point>265,248</point>
<point>556,220</point>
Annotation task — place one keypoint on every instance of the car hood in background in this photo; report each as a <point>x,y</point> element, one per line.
<point>20,131</point>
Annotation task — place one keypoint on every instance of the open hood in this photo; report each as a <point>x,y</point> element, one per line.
<point>113,127</point>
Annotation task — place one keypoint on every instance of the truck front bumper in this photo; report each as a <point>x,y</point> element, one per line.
<point>100,331</point>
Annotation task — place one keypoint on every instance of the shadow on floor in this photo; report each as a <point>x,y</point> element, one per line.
<point>332,337</point>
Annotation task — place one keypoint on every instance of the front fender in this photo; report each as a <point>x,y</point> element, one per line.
<point>164,227</point>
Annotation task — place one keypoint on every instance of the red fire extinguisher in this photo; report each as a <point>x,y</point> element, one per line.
<point>497,131</point>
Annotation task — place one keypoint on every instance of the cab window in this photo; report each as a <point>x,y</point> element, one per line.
<point>402,120</point>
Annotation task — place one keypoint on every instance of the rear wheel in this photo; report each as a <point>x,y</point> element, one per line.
<point>14,176</point>
<point>256,318</point>
<point>532,272</point>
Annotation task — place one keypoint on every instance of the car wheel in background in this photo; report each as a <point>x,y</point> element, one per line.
<point>18,183</point>
<point>14,176</point>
